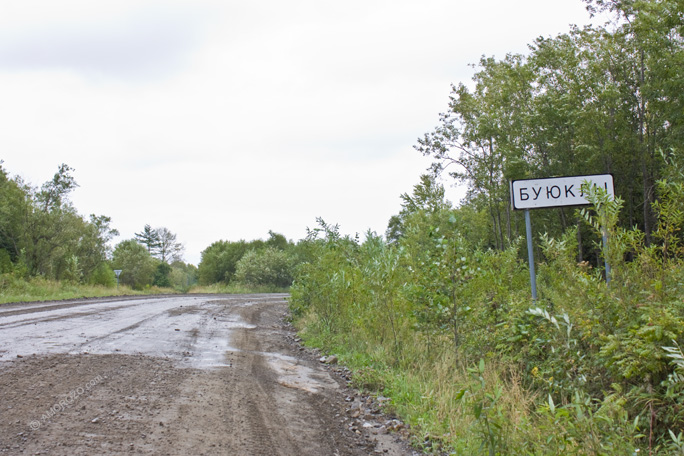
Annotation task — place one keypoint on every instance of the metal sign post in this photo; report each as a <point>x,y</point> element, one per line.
<point>530,254</point>
<point>550,192</point>
<point>118,273</point>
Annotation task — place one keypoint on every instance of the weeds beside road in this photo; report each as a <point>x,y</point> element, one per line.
<point>449,332</point>
<point>13,289</point>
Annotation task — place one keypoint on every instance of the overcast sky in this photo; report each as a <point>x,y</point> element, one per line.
<point>226,119</point>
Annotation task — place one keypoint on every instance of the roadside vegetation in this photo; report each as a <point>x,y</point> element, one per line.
<point>38,289</point>
<point>446,328</point>
<point>437,314</point>
<point>255,265</point>
<point>48,251</point>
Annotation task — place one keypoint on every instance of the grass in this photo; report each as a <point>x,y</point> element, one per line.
<point>237,288</point>
<point>436,395</point>
<point>14,290</point>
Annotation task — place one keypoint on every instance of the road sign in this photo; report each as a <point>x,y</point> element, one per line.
<point>529,194</point>
<point>556,191</point>
<point>117,272</point>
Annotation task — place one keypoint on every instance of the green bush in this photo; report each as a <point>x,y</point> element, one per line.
<point>219,261</point>
<point>183,276</point>
<point>5,262</point>
<point>136,265</point>
<point>162,275</point>
<point>268,266</point>
<point>103,275</point>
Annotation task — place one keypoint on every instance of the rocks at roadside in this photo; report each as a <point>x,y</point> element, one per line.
<point>365,412</point>
<point>332,359</point>
<point>367,417</point>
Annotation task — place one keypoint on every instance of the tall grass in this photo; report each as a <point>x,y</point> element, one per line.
<point>14,289</point>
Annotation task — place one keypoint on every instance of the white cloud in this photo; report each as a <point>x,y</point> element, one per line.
<point>222,120</point>
<point>100,39</point>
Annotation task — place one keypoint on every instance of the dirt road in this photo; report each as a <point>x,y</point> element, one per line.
<point>174,375</point>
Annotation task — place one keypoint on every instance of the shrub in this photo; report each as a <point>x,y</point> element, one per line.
<point>268,266</point>
<point>103,275</point>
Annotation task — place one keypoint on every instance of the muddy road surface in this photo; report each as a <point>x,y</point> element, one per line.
<point>212,375</point>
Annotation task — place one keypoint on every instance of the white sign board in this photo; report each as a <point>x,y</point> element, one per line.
<point>556,191</point>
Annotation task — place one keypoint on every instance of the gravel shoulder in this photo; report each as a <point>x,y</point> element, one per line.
<point>200,375</point>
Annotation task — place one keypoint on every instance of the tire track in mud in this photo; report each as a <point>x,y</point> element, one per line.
<point>222,378</point>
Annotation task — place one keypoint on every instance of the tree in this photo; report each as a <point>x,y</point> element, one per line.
<point>277,240</point>
<point>590,101</point>
<point>483,133</point>
<point>93,248</point>
<point>162,275</point>
<point>51,229</point>
<point>149,238</point>
<point>135,262</point>
<point>14,210</point>
<point>161,243</point>
<point>54,193</point>
<point>428,196</point>
<point>219,261</point>
<point>183,275</point>
<point>169,249</point>
<point>42,234</point>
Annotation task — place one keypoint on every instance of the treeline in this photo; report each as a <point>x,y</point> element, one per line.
<point>438,315</point>
<point>43,236</point>
<point>153,258</point>
<point>258,263</point>
<point>595,100</point>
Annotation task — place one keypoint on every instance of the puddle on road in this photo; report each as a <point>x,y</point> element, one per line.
<point>182,310</point>
<point>238,325</point>
<point>292,374</point>
<point>215,352</point>
<point>196,335</point>
<point>208,353</point>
